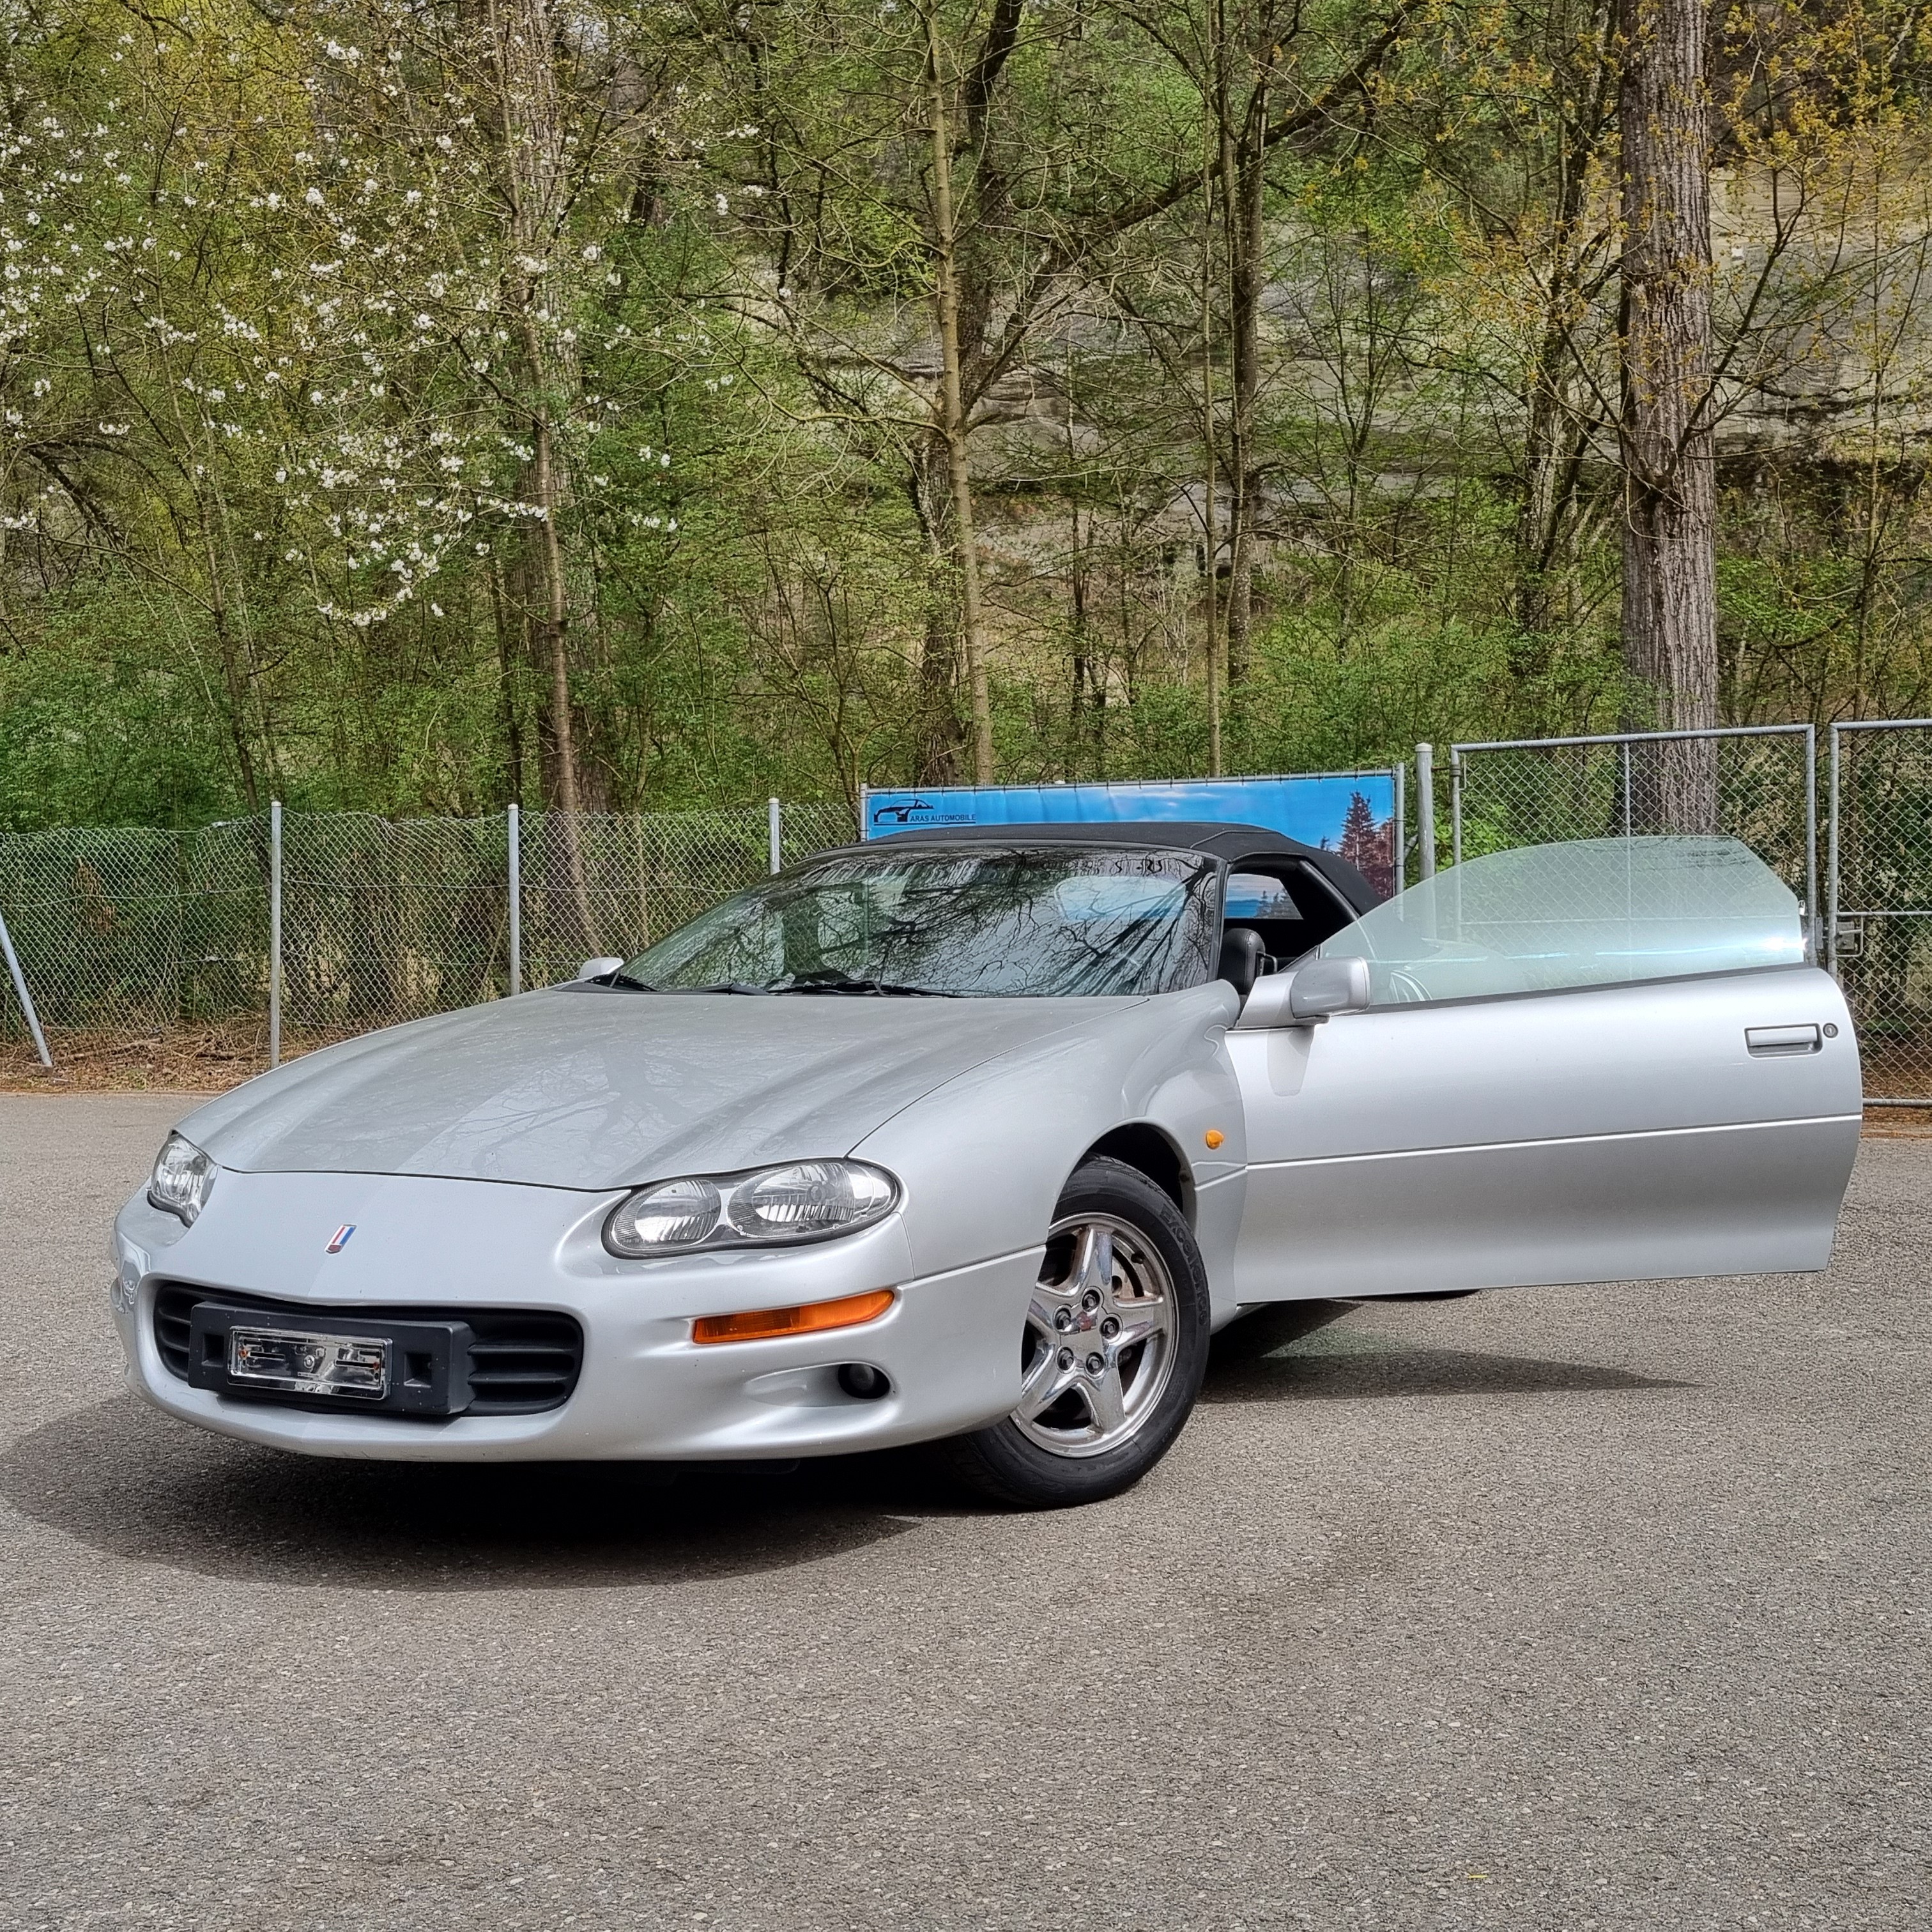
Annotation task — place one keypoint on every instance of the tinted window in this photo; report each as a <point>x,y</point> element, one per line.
<point>1594,912</point>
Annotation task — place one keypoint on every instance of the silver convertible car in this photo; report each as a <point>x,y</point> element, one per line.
<point>975,1137</point>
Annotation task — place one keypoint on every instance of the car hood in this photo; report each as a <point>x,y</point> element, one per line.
<point>588,1087</point>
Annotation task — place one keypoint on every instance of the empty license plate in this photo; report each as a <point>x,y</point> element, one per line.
<point>310,1364</point>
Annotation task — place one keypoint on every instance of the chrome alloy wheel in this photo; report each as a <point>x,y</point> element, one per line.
<point>1099,1343</point>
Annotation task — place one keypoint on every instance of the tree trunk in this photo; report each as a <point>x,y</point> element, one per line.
<point>1538,589</point>
<point>506,669</point>
<point>234,676</point>
<point>1210,546</point>
<point>528,125</point>
<point>1243,179</point>
<point>952,414</point>
<point>1556,409</point>
<point>938,740</point>
<point>1669,535</point>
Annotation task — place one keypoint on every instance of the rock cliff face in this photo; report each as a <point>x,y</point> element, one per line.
<point>1824,328</point>
<point>1828,306</point>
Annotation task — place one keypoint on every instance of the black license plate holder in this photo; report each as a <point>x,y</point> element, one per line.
<point>428,1361</point>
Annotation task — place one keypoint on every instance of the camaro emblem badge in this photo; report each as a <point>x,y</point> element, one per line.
<point>339,1240</point>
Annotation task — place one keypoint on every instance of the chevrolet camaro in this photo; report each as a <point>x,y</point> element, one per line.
<point>974,1137</point>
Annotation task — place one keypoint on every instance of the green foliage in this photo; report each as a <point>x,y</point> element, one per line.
<point>292,298</point>
<point>108,722</point>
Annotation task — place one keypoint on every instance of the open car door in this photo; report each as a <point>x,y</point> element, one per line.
<point>1609,1059</point>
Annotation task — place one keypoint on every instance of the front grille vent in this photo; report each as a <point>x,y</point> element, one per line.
<point>522,1360</point>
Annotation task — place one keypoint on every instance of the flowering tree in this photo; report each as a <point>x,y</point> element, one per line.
<point>352,316</point>
<point>429,403</point>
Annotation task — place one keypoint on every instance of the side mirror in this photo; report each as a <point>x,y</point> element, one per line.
<point>1320,987</point>
<point>1306,996</point>
<point>1240,961</point>
<point>595,969</point>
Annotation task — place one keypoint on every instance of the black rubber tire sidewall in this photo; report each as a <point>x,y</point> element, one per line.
<point>999,1461</point>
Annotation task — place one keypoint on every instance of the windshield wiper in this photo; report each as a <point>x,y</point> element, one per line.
<point>631,985</point>
<point>835,982</point>
<point>830,982</point>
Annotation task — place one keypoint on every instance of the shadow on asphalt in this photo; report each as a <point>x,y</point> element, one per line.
<point>1280,1353</point>
<point>139,1485</point>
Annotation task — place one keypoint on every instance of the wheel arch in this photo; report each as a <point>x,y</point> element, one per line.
<point>1150,1150</point>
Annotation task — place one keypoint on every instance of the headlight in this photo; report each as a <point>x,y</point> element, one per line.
<point>680,1214</point>
<point>805,1201</point>
<point>183,1178</point>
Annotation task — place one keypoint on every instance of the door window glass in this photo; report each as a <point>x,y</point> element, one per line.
<point>1265,905</point>
<point>1253,896</point>
<point>1593,912</point>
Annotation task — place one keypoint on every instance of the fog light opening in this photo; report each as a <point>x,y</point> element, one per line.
<point>864,1383</point>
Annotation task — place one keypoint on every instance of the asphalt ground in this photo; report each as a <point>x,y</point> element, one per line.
<point>1560,1608</point>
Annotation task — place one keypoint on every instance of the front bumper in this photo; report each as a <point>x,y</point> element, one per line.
<point>949,1346</point>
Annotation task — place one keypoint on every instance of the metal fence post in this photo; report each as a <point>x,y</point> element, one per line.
<point>1399,773</point>
<point>516,838</point>
<point>187,854</point>
<point>1884,935</point>
<point>25,998</point>
<point>1831,863</point>
<point>1425,811</point>
<point>274,932</point>
<point>775,827</point>
<point>1811,838</point>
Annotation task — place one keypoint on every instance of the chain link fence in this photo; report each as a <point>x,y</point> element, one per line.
<point>1757,784</point>
<point>384,919</point>
<point>594,885</point>
<point>125,932</point>
<point>133,928</point>
<point>1880,899</point>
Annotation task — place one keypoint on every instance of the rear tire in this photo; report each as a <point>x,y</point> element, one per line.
<point>1112,1353</point>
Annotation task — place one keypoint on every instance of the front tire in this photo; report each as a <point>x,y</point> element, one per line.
<point>1112,1356</point>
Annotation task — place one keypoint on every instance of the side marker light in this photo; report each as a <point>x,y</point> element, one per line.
<point>763,1325</point>
<point>1215,1137</point>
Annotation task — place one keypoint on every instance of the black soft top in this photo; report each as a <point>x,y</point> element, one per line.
<point>1235,844</point>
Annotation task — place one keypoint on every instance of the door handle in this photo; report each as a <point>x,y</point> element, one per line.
<point>1774,1042</point>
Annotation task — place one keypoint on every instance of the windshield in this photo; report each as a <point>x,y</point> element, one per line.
<point>1061,922</point>
<point>1590,913</point>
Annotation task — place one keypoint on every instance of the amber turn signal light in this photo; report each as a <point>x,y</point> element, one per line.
<point>762,1324</point>
<point>1213,1137</point>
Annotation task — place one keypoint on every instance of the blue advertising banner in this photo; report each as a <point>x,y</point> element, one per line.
<point>1352,813</point>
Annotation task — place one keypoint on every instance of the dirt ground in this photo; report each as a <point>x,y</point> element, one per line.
<point>204,1060</point>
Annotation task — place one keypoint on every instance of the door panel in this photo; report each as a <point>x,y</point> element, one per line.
<point>1605,1133</point>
